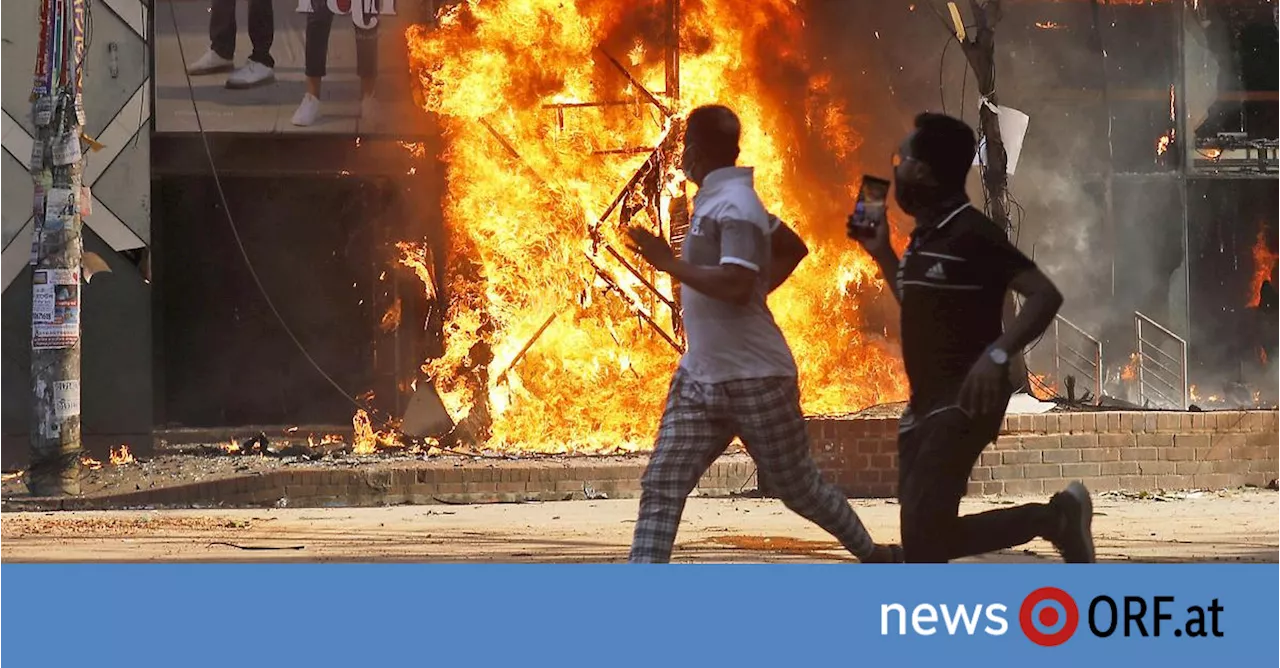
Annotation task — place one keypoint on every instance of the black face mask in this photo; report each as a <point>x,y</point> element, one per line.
<point>915,198</point>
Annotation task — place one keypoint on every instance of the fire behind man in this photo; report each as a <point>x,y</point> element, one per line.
<point>738,377</point>
<point>951,283</point>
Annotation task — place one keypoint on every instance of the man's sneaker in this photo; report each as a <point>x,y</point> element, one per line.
<point>1074,539</point>
<point>252,74</point>
<point>210,63</point>
<point>308,112</point>
<point>370,113</point>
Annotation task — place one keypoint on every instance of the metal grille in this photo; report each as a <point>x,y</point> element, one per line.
<point>1076,353</point>
<point>1162,365</point>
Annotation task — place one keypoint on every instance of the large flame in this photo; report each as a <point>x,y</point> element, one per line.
<point>547,334</point>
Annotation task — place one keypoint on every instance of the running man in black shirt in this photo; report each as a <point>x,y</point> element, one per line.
<point>951,282</point>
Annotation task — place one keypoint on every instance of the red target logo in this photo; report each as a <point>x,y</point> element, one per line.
<point>1048,616</point>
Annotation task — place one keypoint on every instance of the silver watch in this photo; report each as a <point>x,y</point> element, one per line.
<point>998,356</point>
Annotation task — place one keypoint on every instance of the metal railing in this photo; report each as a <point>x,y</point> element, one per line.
<point>1079,353</point>
<point>1162,364</point>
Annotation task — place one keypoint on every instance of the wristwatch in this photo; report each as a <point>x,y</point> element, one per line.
<point>998,356</point>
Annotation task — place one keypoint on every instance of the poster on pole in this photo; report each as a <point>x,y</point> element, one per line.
<point>55,309</point>
<point>66,398</point>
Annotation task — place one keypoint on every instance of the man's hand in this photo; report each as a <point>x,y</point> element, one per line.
<point>877,242</point>
<point>984,387</point>
<point>652,248</point>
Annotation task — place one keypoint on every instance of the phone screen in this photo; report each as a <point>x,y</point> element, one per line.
<point>873,196</point>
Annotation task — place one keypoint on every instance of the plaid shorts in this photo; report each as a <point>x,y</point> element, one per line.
<point>699,422</point>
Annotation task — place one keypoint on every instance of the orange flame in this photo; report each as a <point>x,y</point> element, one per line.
<point>1130,370</point>
<point>121,456</point>
<point>1049,25</point>
<point>545,334</point>
<point>365,441</point>
<point>89,462</point>
<point>1264,263</point>
<point>418,258</point>
<point>391,319</point>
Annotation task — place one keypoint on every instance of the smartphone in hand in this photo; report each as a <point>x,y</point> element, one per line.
<point>869,211</point>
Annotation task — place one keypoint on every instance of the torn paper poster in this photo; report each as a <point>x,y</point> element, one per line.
<point>1013,128</point>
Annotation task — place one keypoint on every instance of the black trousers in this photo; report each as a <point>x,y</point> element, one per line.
<point>262,29</point>
<point>319,25</point>
<point>936,454</point>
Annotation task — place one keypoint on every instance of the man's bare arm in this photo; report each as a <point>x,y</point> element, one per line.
<point>787,249</point>
<point>1041,301</point>
<point>727,282</point>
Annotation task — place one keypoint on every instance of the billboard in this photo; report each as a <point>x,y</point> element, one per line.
<point>286,66</point>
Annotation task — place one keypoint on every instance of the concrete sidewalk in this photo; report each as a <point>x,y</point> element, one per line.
<point>1238,525</point>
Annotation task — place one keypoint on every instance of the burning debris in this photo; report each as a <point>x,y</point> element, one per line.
<point>121,456</point>
<point>561,120</point>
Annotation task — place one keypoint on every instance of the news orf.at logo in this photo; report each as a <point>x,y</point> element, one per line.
<point>1048,616</point>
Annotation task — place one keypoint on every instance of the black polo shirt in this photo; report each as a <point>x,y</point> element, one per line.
<point>953,279</point>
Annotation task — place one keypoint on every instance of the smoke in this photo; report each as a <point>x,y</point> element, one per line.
<point>900,58</point>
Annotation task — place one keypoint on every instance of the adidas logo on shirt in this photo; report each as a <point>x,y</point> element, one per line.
<point>936,273</point>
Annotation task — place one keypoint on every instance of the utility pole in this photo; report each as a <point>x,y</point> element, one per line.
<point>57,163</point>
<point>979,51</point>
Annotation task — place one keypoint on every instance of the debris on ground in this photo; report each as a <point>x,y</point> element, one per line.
<point>1161,495</point>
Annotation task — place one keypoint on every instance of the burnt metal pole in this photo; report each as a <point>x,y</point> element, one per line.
<point>56,165</point>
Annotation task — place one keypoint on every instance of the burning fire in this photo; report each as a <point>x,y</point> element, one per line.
<point>1130,370</point>
<point>121,456</point>
<point>89,462</point>
<point>547,333</point>
<point>1264,263</point>
<point>1049,25</point>
<point>365,440</point>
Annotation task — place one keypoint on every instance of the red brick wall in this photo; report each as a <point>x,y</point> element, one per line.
<point>1040,453</point>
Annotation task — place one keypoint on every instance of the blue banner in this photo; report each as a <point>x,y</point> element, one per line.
<point>780,616</point>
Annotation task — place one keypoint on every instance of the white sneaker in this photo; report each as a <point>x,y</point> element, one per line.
<point>252,74</point>
<point>308,112</point>
<point>210,63</point>
<point>370,112</point>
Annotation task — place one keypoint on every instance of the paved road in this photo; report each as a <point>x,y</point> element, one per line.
<point>1228,526</point>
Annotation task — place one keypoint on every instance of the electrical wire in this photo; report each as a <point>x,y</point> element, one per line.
<point>942,65</point>
<point>244,253</point>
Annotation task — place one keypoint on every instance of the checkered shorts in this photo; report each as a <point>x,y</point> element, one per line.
<point>699,422</point>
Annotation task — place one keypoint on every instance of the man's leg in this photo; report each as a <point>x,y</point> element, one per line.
<point>769,420</point>
<point>940,454</point>
<point>222,28</point>
<point>262,31</point>
<point>691,436</point>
